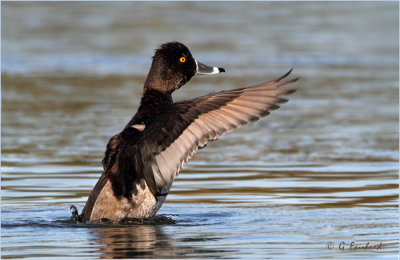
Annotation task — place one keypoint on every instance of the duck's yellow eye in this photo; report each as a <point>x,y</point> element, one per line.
<point>182,59</point>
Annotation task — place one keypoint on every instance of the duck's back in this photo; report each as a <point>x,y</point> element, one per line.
<point>122,192</point>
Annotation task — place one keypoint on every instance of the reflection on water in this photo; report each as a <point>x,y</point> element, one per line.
<point>136,241</point>
<point>147,240</point>
<point>322,168</point>
<point>131,242</point>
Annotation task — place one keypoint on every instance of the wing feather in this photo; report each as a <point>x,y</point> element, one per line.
<point>187,125</point>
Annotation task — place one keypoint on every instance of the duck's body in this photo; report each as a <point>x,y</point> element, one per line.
<point>142,161</point>
<point>122,191</point>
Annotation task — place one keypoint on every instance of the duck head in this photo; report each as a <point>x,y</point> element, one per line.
<point>173,65</point>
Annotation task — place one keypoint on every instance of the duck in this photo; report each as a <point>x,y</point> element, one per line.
<point>142,161</point>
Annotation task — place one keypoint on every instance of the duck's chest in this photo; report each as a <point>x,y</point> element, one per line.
<point>152,105</point>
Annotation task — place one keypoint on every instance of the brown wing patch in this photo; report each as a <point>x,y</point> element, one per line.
<point>205,119</point>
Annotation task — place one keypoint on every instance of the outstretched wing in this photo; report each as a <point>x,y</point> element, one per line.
<point>173,137</point>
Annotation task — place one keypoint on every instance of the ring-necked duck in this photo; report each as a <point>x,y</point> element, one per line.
<point>141,162</point>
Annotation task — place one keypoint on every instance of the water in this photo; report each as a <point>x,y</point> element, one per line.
<point>323,168</point>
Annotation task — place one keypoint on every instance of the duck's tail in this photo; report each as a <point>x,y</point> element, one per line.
<point>75,215</point>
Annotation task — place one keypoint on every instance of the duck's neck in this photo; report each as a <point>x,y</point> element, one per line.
<point>155,98</point>
<point>152,103</point>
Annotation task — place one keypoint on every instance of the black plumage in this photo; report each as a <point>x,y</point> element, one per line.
<point>142,161</point>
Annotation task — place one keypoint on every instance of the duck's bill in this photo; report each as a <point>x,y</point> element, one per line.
<point>204,69</point>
